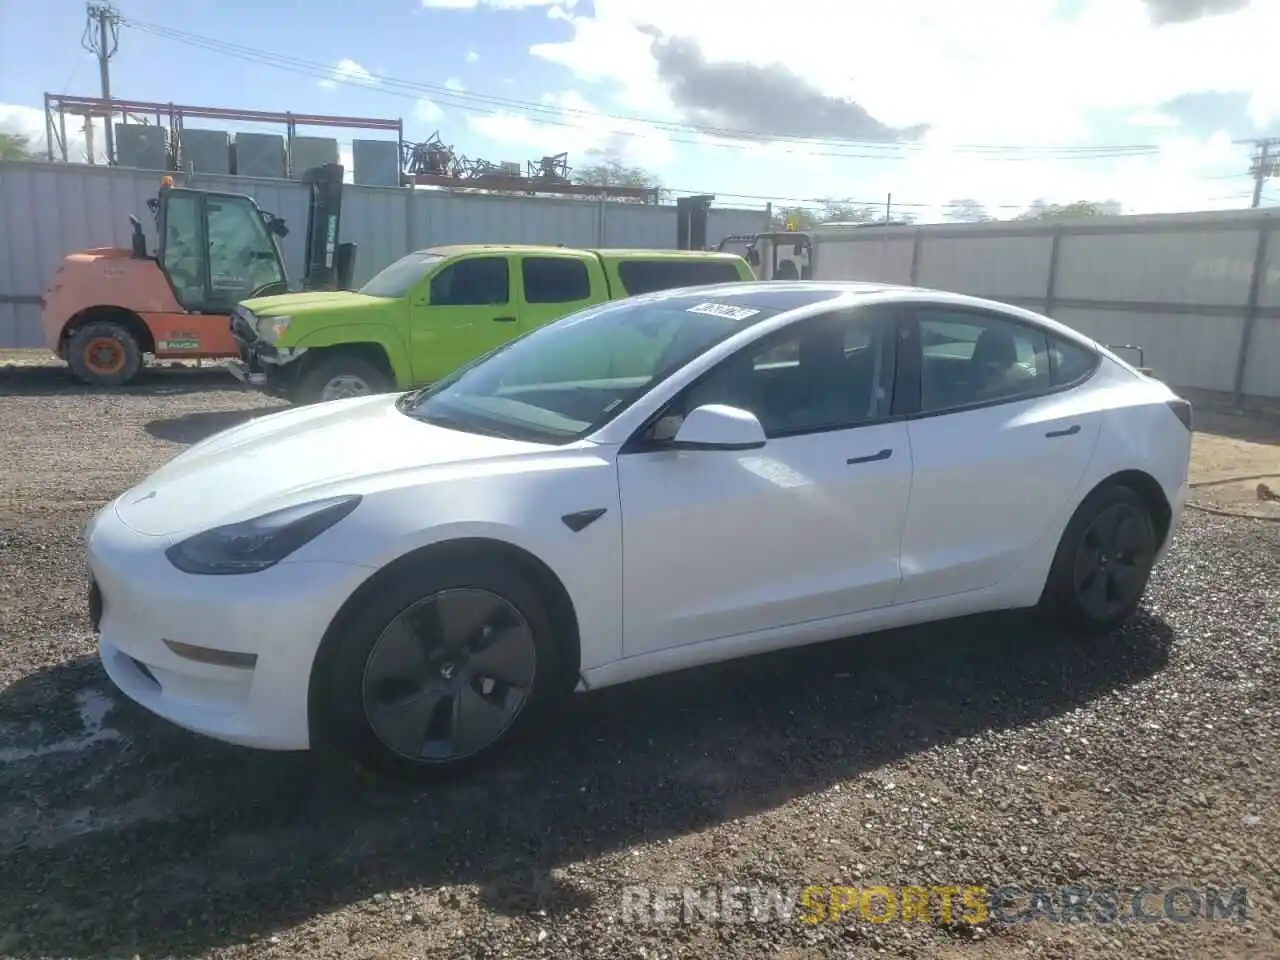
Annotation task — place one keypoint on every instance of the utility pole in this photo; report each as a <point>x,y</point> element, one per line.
<point>102,39</point>
<point>1264,165</point>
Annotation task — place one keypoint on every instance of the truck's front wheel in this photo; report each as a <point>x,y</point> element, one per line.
<point>340,377</point>
<point>104,354</point>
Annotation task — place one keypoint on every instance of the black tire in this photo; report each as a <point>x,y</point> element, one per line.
<point>1071,595</point>
<point>342,723</point>
<point>314,382</point>
<point>104,354</point>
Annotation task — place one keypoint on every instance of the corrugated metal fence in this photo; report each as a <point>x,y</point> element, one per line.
<point>1199,292</point>
<point>50,209</point>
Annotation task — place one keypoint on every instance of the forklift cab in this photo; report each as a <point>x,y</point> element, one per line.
<point>215,249</point>
<point>786,255</point>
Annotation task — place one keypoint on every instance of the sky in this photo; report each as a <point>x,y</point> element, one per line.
<point>915,102</point>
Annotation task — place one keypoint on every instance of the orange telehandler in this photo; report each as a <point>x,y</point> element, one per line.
<point>108,307</point>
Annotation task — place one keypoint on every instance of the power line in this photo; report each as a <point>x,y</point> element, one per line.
<point>495,106</point>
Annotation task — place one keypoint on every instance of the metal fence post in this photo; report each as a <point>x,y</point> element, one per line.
<point>1251,310</point>
<point>1051,282</point>
<point>916,243</point>
<point>601,214</point>
<point>411,204</point>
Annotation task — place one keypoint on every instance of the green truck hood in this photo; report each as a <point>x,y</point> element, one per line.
<point>320,301</point>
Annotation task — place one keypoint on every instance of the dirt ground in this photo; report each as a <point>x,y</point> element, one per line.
<point>982,752</point>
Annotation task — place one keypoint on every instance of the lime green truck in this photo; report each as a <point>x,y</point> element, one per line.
<point>435,309</point>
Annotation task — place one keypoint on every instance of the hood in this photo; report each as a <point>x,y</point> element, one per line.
<point>345,446</point>
<point>316,301</point>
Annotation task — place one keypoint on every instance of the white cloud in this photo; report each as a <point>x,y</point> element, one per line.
<point>347,71</point>
<point>1023,73</point>
<point>454,84</point>
<point>586,134</point>
<point>472,56</point>
<point>495,4</point>
<point>427,110</point>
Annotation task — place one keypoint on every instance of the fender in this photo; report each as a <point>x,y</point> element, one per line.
<point>348,334</point>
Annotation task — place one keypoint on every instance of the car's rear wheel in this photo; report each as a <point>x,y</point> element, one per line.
<point>1103,563</point>
<point>441,670</point>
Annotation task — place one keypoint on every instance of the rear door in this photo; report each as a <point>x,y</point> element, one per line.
<point>469,307</point>
<point>999,444</point>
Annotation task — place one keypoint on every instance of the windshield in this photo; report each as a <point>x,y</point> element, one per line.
<point>397,279</point>
<point>560,382</point>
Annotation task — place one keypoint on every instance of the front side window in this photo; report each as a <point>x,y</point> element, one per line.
<point>398,278</point>
<point>564,380</point>
<point>554,280</point>
<point>476,282</point>
<point>830,372</point>
<point>242,258</point>
<point>970,358</point>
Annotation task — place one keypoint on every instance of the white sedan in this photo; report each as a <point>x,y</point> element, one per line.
<point>640,487</point>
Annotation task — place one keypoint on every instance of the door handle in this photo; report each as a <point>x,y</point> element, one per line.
<point>504,319</point>
<point>884,454</point>
<point>1071,431</point>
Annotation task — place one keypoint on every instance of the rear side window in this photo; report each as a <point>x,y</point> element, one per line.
<point>648,276</point>
<point>555,280</point>
<point>1071,363</point>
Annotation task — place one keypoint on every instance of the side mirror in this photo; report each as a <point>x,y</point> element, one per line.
<point>718,427</point>
<point>138,238</point>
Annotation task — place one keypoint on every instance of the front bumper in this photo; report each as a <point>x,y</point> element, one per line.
<point>279,615</point>
<point>260,364</point>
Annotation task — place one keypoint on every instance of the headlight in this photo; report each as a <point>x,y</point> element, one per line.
<point>271,329</point>
<point>253,545</point>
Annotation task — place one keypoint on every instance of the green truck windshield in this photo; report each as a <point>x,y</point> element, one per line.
<point>399,278</point>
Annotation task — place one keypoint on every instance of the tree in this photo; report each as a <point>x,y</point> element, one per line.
<point>612,173</point>
<point>967,210</point>
<point>16,146</point>
<point>1080,209</point>
<point>831,211</point>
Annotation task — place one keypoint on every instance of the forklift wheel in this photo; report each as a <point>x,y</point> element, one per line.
<point>104,354</point>
<point>341,377</point>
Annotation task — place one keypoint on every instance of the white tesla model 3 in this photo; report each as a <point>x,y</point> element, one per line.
<point>642,486</point>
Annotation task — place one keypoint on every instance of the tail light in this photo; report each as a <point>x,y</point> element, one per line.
<point>1181,409</point>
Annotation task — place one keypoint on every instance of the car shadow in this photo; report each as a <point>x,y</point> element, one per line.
<point>256,842</point>
<point>193,427</point>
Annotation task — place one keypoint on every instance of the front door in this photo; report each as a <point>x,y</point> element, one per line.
<point>468,309</point>
<point>721,543</point>
<point>998,451</point>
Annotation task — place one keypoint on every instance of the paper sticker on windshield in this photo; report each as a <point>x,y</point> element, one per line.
<point>726,310</point>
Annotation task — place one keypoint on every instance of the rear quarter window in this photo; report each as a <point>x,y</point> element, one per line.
<point>648,276</point>
<point>1072,364</point>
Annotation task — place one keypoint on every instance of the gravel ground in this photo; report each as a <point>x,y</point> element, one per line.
<point>980,752</point>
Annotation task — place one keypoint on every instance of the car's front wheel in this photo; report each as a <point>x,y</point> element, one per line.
<point>440,670</point>
<point>1103,563</point>
<point>340,377</point>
